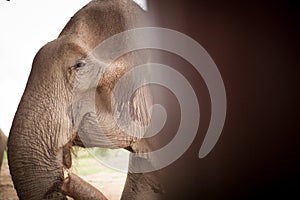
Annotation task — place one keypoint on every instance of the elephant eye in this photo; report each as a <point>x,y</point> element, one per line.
<point>79,64</point>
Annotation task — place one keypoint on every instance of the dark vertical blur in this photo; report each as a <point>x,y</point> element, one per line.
<point>256,48</point>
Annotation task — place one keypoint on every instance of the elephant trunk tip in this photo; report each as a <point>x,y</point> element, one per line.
<point>77,188</point>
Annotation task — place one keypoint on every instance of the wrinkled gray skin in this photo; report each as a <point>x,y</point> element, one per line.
<point>43,129</point>
<point>3,140</point>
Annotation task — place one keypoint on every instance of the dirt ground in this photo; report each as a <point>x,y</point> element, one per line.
<point>7,191</point>
<point>110,184</point>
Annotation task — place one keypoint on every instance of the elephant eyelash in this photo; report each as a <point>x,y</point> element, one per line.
<point>79,64</point>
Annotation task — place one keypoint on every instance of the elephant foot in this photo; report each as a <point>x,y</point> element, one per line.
<point>77,188</point>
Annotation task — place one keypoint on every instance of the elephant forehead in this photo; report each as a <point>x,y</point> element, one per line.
<point>100,20</point>
<point>61,50</point>
<point>69,47</point>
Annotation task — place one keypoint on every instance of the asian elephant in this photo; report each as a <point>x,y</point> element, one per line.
<point>3,140</point>
<point>45,126</point>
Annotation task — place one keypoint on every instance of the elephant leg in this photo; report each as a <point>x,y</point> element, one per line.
<point>142,186</point>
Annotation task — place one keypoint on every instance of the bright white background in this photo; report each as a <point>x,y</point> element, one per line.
<point>25,26</point>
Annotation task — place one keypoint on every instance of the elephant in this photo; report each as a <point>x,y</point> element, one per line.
<point>45,126</point>
<point>3,140</point>
<point>257,154</point>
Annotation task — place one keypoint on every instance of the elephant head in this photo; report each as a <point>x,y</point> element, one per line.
<point>53,113</point>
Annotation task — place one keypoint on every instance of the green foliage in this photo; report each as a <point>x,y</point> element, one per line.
<point>101,152</point>
<point>5,156</point>
<point>84,163</point>
<point>87,153</point>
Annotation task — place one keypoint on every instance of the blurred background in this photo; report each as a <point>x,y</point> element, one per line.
<point>256,46</point>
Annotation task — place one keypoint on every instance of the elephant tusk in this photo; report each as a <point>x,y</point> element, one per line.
<point>79,189</point>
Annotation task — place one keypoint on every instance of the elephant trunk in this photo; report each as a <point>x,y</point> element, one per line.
<point>35,160</point>
<point>43,132</point>
<point>77,188</point>
<point>40,130</point>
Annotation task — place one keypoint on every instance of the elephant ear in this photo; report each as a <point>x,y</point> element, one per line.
<point>140,106</point>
